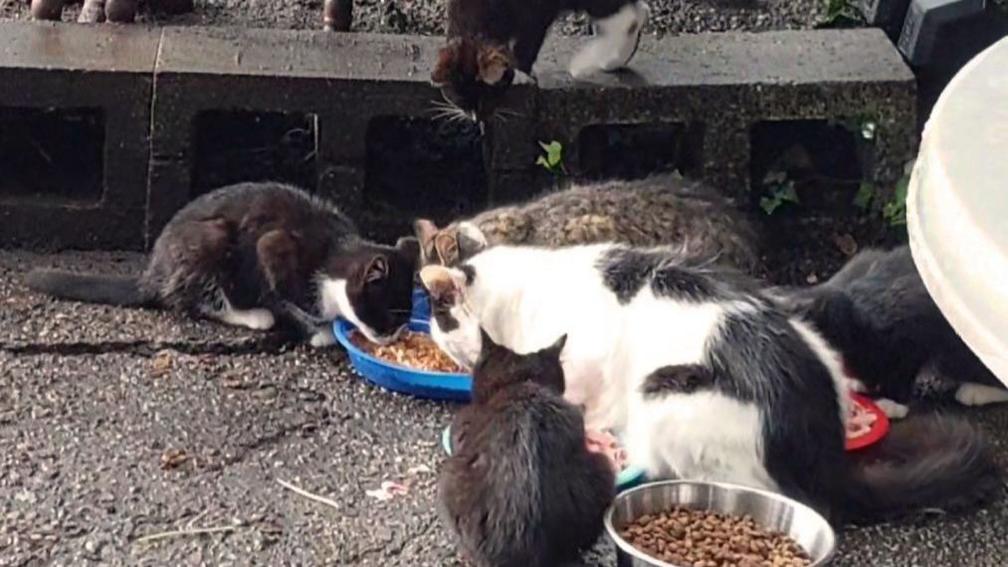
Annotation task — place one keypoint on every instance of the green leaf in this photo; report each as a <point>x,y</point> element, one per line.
<point>901,189</point>
<point>769,204</point>
<point>865,195</point>
<point>787,193</point>
<point>774,178</point>
<point>542,161</point>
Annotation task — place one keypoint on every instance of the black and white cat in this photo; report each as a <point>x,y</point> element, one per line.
<point>877,312</point>
<point>249,253</point>
<point>703,376</point>
<point>489,39</point>
<point>523,486</point>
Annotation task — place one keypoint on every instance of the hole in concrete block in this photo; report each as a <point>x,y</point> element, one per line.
<point>234,146</point>
<point>52,154</point>
<point>420,167</point>
<point>824,161</point>
<point>632,151</point>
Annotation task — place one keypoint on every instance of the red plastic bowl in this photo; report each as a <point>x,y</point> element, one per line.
<point>878,429</point>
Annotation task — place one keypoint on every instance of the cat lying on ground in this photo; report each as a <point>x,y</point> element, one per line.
<point>702,376</point>
<point>249,253</point>
<point>661,209</point>
<point>878,314</point>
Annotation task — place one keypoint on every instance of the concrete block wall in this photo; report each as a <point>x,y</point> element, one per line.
<point>153,86</point>
<point>50,66</point>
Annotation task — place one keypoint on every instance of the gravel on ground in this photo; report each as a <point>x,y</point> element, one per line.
<point>119,425</point>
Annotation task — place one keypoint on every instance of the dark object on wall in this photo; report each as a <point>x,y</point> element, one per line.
<point>924,23</point>
<point>885,14</point>
<point>940,36</point>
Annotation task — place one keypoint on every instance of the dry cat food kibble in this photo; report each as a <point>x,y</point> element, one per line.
<point>699,538</point>
<point>414,350</point>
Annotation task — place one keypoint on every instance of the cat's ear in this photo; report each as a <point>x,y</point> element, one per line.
<point>443,284</point>
<point>425,230</point>
<point>487,344</point>
<point>447,62</point>
<point>471,239</point>
<point>377,268</point>
<point>493,64</point>
<point>446,245</point>
<point>409,248</point>
<point>558,345</point>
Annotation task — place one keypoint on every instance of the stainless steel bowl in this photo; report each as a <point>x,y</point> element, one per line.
<point>771,511</point>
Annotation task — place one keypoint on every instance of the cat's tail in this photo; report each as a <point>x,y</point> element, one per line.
<point>929,461</point>
<point>89,288</point>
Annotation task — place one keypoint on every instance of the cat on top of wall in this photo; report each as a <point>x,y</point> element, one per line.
<point>250,253</point>
<point>702,376</point>
<point>523,486</point>
<point>489,39</point>
<point>877,312</point>
<point>661,209</point>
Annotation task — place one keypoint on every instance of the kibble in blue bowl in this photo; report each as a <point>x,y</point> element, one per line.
<point>413,365</point>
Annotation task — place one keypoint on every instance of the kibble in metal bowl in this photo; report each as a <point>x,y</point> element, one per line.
<point>700,538</point>
<point>412,350</point>
<point>687,523</point>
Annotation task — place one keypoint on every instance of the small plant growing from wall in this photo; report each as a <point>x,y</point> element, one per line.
<point>778,191</point>
<point>552,158</point>
<point>840,14</point>
<point>893,211</point>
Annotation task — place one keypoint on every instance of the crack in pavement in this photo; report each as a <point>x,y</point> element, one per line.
<point>149,348</point>
<point>394,551</point>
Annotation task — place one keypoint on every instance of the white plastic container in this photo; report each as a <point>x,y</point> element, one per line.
<point>957,206</point>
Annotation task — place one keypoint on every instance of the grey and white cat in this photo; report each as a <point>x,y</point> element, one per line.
<point>703,376</point>
<point>662,209</point>
<point>250,253</point>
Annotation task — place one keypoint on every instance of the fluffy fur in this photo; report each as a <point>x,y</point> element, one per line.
<point>878,314</point>
<point>250,253</point>
<point>489,39</point>
<point>521,488</point>
<point>661,209</point>
<point>703,375</point>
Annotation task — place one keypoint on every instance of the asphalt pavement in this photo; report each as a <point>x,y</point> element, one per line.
<point>132,437</point>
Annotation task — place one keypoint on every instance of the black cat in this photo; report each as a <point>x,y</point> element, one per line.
<point>878,314</point>
<point>249,253</point>
<point>522,488</point>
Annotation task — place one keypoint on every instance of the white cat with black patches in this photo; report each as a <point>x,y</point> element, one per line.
<point>701,374</point>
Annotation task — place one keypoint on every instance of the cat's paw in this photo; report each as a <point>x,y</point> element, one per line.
<point>584,62</point>
<point>892,410</point>
<point>854,385</point>
<point>257,319</point>
<point>523,78</point>
<point>92,12</point>
<point>972,394</point>
<point>323,338</point>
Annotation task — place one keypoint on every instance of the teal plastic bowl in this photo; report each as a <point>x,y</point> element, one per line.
<point>628,478</point>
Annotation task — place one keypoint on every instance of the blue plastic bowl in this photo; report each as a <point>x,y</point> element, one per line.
<point>627,478</point>
<point>421,306</point>
<point>420,383</point>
